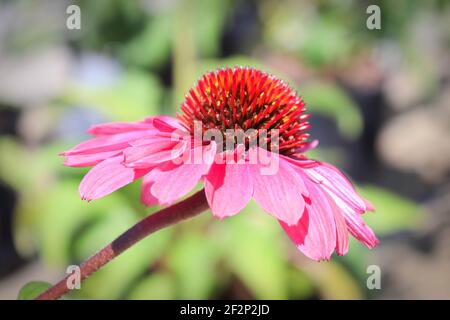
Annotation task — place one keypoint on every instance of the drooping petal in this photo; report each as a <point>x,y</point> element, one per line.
<point>322,232</point>
<point>315,234</point>
<point>341,230</point>
<point>174,181</point>
<point>228,188</point>
<point>279,193</point>
<point>298,166</point>
<point>298,232</point>
<point>355,224</point>
<point>106,177</point>
<point>335,181</point>
<point>369,205</point>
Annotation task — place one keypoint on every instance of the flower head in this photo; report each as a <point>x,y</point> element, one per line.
<point>264,120</point>
<point>247,99</point>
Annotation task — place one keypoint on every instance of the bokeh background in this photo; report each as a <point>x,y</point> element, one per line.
<point>380,107</point>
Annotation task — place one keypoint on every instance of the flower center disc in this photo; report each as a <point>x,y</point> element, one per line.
<point>246,99</point>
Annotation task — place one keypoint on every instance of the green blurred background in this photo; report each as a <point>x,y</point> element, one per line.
<point>380,107</point>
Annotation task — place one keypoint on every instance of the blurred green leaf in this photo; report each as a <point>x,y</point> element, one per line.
<point>210,19</point>
<point>253,254</point>
<point>118,276</point>
<point>135,96</point>
<point>393,212</point>
<point>332,280</point>
<point>102,231</point>
<point>194,263</point>
<point>61,216</point>
<point>151,47</point>
<point>208,65</point>
<point>158,286</point>
<point>15,155</point>
<point>356,260</point>
<point>326,43</point>
<point>32,290</point>
<point>300,285</point>
<point>330,100</point>
<point>109,22</point>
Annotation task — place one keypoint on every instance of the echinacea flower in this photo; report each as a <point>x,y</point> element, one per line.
<point>314,202</point>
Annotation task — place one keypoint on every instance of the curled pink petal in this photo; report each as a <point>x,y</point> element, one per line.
<point>147,197</point>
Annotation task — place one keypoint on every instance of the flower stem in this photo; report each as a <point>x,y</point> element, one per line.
<point>185,209</point>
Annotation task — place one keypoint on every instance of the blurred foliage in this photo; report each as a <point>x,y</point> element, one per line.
<point>32,290</point>
<point>160,55</point>
<point>393,211</point>
<point>134,96</point>
<point>330,100</point>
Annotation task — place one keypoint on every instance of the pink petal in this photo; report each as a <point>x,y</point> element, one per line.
<point>174,181</point>
<point>106,177</point>
<point>167,120</point>
<point>88,160</point>
<point>315,235</point>
<point>106,143</point>
<point>355,224</point>
<point>321,229</point>
<point>301,163</point>
<point>369,205</point>
<point>119,127</point>
<point>159,137</point>
<point>335,181</point>
<point>147,124</point>
<point>322,233</point>
<point>228,188</point>
<point>341,230</point>
<point>320,241</point>
<point>167,124</point>
<point>298,232</point>
<point>279,194</point>
<point>151,154</point>
<point>304,235</point>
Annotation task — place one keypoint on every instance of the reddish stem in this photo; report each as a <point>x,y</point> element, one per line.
<point>185,209</point>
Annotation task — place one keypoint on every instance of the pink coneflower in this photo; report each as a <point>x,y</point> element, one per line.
<point>313,201</point>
